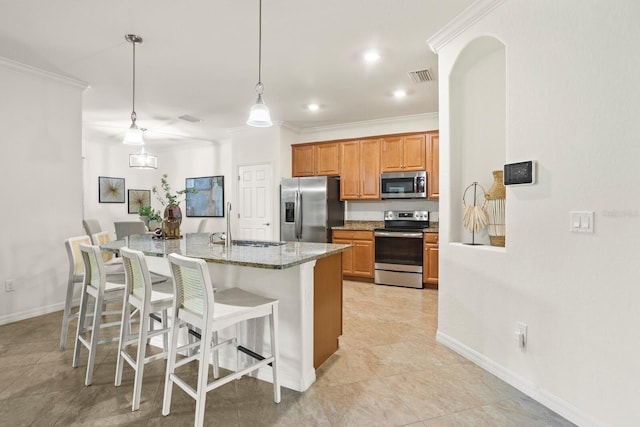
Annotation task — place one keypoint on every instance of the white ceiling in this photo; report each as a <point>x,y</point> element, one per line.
<point>200,57</point>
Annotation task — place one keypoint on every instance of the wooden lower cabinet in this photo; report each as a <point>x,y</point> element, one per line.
<point>359,260</point>
<point>430,267</point>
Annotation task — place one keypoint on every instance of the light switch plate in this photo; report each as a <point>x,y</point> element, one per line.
<point>581,221</point>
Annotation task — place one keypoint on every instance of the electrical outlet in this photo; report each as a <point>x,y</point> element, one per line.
<point>8,286</point>
<point>521,334</point>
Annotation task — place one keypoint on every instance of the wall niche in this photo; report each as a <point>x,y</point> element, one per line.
<point>477,88</point>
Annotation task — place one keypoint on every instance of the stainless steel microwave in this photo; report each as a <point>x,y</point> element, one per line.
<point>403,185</point>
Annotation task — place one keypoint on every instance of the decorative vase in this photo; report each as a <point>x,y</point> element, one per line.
<point>496,197</point>
<point>171,223</point>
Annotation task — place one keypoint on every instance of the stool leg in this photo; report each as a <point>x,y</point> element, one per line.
<point>171,362</point>
<point>124,337</point>
<point>165,336</point>
<point>80,329</point>
<point>95,334</point>
<point>216,364</point>
<point>66,316</point>
<point>273,326</point>
<point>203,371</point>
<point>142,351</point>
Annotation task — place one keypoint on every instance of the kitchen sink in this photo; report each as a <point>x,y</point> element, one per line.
<point>252,243</point>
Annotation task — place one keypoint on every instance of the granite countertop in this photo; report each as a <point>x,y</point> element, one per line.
<point>278,255</point>
<point>372,225</point>
<point>360,225</point>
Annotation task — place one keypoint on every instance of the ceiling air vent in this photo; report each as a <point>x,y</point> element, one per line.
<point>188,118</point>
<point>421,76</point>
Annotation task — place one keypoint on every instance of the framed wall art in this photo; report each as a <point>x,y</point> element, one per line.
<point>209,200</point>
<point>110,190</point>
<point>138,198</point>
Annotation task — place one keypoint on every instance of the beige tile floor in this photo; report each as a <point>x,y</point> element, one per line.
<point>389,371</point>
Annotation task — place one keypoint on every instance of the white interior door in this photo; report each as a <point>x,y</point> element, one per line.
<point>255,212</point>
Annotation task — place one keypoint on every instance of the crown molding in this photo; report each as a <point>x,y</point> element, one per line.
<point>461,23</point>
<point>388,120</point>
<point>12,65</point>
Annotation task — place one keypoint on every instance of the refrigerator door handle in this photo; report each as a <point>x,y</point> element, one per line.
<point>298,215</point>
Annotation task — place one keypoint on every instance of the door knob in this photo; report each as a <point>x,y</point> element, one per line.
<point>266,223</point>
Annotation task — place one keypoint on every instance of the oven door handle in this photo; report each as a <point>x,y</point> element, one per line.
<point>403,234</point>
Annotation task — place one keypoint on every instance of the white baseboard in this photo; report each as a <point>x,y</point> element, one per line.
<point>38,311</point>
<point>532,390</point>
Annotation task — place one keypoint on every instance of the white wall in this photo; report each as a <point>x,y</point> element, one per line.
<point>251,146</point>
<point>41,122</point>
<point>111,158</point>
<point>572,104</point>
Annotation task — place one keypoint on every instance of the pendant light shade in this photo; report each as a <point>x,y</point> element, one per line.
<point>259,115</point>
<point>133,135</point>
<point>143,160</point>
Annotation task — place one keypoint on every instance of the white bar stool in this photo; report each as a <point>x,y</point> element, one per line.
<point>146,300</point>
<point>94,285</point>
<point>196,305</point>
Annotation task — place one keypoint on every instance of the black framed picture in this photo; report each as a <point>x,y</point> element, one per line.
<point>209,200</point>
<point>138,198</point>
<point>110,190</point>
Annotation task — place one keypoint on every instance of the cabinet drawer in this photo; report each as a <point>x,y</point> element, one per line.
<point>353,234</point>
<point>430,237</point>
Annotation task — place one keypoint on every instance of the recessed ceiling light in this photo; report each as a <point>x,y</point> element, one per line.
<point>399,93</point>
<point>371,56</point>
<point>313,107</point>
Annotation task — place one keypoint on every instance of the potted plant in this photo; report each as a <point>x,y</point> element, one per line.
<point>150,216</point>
<point>172,212</point>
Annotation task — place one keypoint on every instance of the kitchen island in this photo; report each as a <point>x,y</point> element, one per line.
<point>305,277</point>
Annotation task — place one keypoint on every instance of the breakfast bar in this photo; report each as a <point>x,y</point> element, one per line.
<point>305,277</point>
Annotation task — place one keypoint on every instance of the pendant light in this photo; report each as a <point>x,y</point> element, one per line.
<point>259,115</point>
<point>133,135</point>
<point>143,160</point>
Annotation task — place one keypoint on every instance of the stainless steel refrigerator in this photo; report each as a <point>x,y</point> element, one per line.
<point>309,207</point>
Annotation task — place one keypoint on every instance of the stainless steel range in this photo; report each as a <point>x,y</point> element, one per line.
<point>399,248</point>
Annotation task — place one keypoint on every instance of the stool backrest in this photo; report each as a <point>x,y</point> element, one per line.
<point>100,239</point>
<point>193,288</point>
<point>72,244</point>
<point>137,276</point>
<point>94,271</point>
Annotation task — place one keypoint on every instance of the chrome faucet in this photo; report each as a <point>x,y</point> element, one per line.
<point>227,241</point>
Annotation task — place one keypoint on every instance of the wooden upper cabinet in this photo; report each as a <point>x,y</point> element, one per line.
<point>360,166</point>
<point>350,167</point>
<point>327,159</point>
<point>370,169</point>
<point>403,153</point>
<point>391,159</point>
<point>302,159</point>
<point>433,166</point>
<point>315,159</point>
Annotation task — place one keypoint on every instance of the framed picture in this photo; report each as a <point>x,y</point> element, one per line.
<point>209,200</point>
<point>110,190</point>
<point>138,198</point>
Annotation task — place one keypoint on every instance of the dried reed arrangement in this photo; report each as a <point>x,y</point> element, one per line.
<point>475,215</point>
